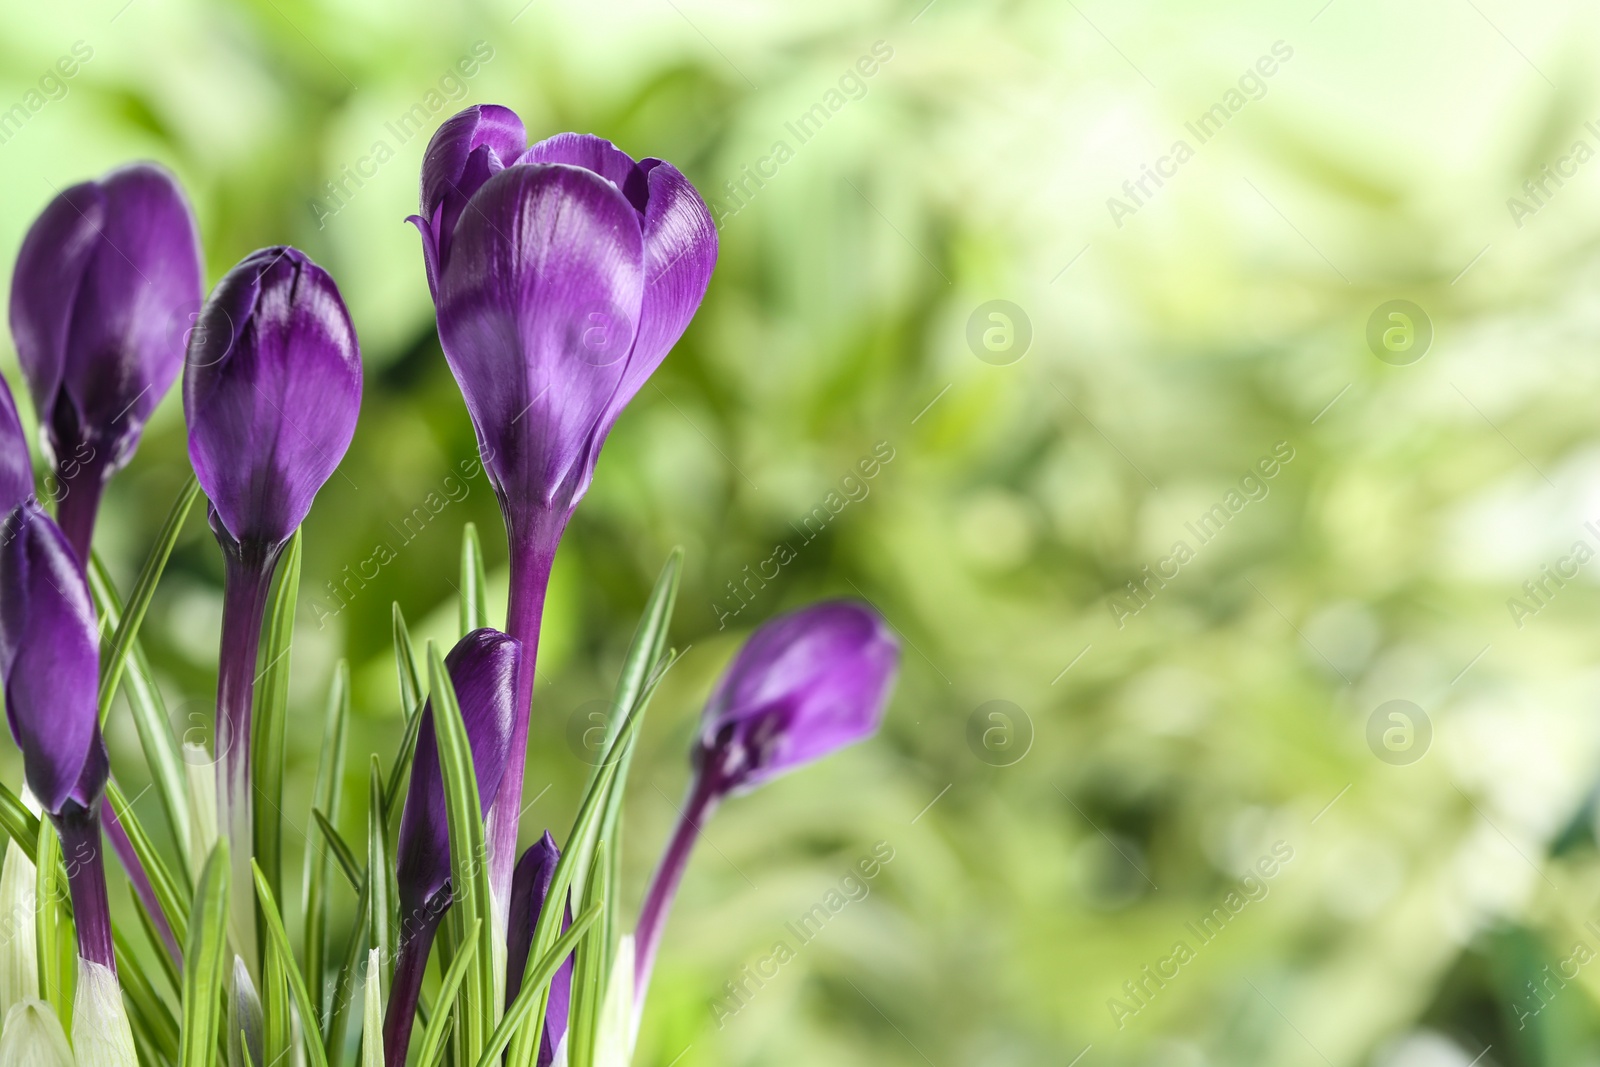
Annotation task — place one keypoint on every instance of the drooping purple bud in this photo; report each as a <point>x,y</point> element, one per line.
<point>804,685</point>
<point>271,394</point>
<point>16,465</point>
<point>50,659</point>
<point>563,274</point>
<point>104,287</point>
<point>483,669</point>
<point>530,888</point>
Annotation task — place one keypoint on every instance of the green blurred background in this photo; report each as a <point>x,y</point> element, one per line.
<point>1046,850</point>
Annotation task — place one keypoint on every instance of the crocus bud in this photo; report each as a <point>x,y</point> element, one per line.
<point>33,1037</point>
<point>271,393</point>
<point>530,887</point>
<point>804,685</point>
<point>16,466</point>
<point>50,660</point>
<point>100,299</point>
<point>563,273</point>
<point>483,670</point>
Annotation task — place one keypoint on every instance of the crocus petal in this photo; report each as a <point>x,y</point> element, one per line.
<point>538,307</point>
<point>16,466</point>
<point>50,658</point>
<point>99,302</point>
<point>488,126</point>
<point>483,670</point>
<point>595,154</point>
<point>804,685</point>
<point>680,250</point>
<point>44,287</point>
<point>271,393</point>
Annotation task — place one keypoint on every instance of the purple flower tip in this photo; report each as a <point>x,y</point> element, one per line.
<point>102,297</point>
<point>483,670</point>
<point>16,466</point>
<point>563,274</point>
<point>271,394</point>
<point>50,661</point>
<point>803,685</point>
<point>530,888</point>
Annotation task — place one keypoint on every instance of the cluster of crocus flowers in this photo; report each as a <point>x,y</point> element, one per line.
<point>563,272</point>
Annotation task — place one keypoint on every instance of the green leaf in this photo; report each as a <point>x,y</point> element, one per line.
<point>381,907</point>
<point>278,942</point>
<point>325,796</point>
<point>278,1029</point>
<point>439,1025</point>
<point>344,980</point>
<point>18,822</point>
<point>145,588</point>
<point>58,952</point>
<point>372,1015</point>
<point>474,586</point>
<point>589,972</point>
<point>339,849</point>
<point>146,1004</point>
<point>578,852</point>
<point>469,868</point>
<point>405,658</point>
<point>646,651</point>
<point>271,700</point>
<point>152,933</point>
<point>203,976</point>
<point>536,988</point>
<point>174,902</point>
<point>149,711</point>
<point>401,768</point>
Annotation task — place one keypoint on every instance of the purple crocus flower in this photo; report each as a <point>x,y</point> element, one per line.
<point>530,888</point>
<point>804,685</point>
<point>271,393</point>
<point>100,299</point>
<point>50,661</point>
<point>563,272</point>
<point>483,669</point>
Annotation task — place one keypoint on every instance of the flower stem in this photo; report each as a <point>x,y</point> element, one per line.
<point>410,963</point>
<point>532,543</point>
<point>247,576</point>
<point>79,828</point>
<point>703,800</point>
<point>79,486</point>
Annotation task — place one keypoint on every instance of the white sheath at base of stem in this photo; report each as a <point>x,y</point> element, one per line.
<point>372,1016</point>
<point>33,1037</point>
<point>202,782</point>
<point>19,943</point>
<point>619,1023</point>
<point>101,1036</point>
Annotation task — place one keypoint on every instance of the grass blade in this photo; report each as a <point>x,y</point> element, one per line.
<point>469,868</point>
<point>143,589</point>
<point>325,796</point>
<point>405,658</point>
<point>474,586</point>
<point>590,970</point>
<point>149,712</point>
<point>277,1024</point>
<point>174,902</point>
<point>340,851</point>
<point>53,927</point>
<point>18,822</point>
<point>278,942</point>
<point>271,701</point>
<point>372,1015</point>
<point>439,1025</point>
<point>518,1019</point>
<point>647,649</point>
<point>204,948</point>
<point>381,906</point>
<point>578,853</point>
